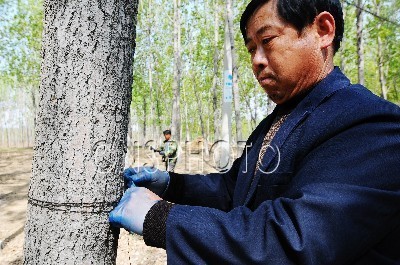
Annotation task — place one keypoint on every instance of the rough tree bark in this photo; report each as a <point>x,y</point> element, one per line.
<point>81,131</point>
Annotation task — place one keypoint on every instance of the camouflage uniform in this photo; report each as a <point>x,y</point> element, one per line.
<point>170,156</point>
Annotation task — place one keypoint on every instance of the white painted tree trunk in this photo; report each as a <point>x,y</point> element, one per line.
<point>236,95</point>
<point>81,131</point>
<point>216,110</point>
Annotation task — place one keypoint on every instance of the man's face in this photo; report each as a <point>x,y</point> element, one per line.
<point>284,61</point>
<point>167,136</point>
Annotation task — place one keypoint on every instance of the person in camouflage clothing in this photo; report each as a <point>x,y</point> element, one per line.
<point>169,151</point>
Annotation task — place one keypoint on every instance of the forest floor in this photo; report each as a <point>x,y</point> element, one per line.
<point>15,172</point>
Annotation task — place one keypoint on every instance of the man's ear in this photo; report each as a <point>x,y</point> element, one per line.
<point>325,24</point>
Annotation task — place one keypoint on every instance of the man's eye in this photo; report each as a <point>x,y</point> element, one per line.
<point>251,51</point>
<point>266,40</point>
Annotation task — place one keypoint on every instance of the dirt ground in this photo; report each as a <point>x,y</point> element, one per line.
<point>15,172</point>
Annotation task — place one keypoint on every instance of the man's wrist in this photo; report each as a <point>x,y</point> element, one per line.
<point>155,224</point>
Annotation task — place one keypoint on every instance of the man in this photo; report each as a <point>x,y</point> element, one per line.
<point>169,151</point>
<point>331,195</point>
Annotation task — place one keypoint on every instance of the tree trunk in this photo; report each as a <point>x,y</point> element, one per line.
<point>343,43</point>
<point>187,131</point>
<point>255,116</point>
<point>200,111</point>
<point>360,41</point>
<point>217,115</point>
<point>150,69</point>
<point>34,104</point>
<point>8,136</point>
<point>395,85</point>
<point>381,66</point>
<point>176,117</point>
<point>159,115</point>
<point>81,131</point>
<point>236,95</point>
<point>152,103</point>
<point>144,128</point>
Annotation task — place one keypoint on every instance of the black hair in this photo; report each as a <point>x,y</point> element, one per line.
<point>300,13</point>
<point>167,132</point>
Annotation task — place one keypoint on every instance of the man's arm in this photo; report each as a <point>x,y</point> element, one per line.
<point>343,200</point>
<point>213,190</point>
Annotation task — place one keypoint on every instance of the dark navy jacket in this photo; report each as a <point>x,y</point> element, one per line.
<point>328,191</point>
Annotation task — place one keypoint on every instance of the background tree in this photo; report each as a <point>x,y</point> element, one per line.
<point>20,42</point>
<point>81,131</point>
<point>176,116</point>
<point>360,40</point>
<point>216,66</point>
<point>236,96</point>
<point>202,30</point>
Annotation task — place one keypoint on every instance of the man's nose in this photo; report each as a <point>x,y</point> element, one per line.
<point>259,60</point>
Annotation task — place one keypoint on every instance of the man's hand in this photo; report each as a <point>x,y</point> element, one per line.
<point>154,149</point>
<point>162,153</point>
<point>149,177</point>
<point>132,209</point>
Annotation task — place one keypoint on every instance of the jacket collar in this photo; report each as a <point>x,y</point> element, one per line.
<point>303,106</point>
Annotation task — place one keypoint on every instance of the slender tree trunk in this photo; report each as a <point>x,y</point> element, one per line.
<point>128,155</point>
<point>217,114</point>
<point>257,105</point>
<point>360,41</point>
<point>150,69</point>
<point>187,138</point>
<point>236,95</point>
<point>158,110</point>
<point>8,137</point>
<point>81,131</point>
<point>222,157</point>
<point>152,103</point>
<point>247,101</point>
<point>200,111</point>
<point>176,117</point>
<point>395,85</point>
<point>255,117</point>
<point>381,66</point>
<point>34,105</point>
<point>343,43</point>
<point>144,128</point>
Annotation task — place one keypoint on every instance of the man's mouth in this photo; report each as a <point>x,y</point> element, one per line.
<point>266,80</point>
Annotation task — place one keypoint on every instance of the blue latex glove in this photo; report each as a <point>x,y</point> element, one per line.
<point>149,177</point>
<point>132,209</point>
